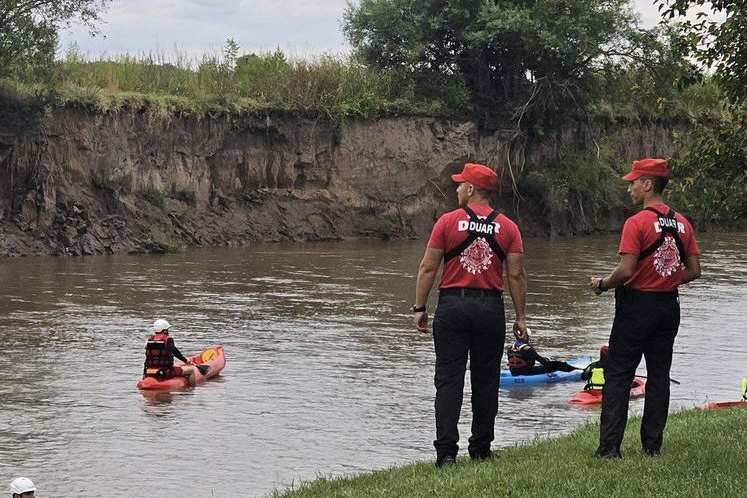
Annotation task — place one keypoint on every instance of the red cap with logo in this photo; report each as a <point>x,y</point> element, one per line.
<point>478,175</point>
<point>647,167</point>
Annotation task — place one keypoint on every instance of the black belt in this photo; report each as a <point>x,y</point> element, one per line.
<point>466,292</point>
<point>622,290</point>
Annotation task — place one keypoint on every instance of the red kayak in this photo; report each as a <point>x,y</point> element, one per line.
<point>722,404</point>
<point>214,357</point>
<point>594,396</point>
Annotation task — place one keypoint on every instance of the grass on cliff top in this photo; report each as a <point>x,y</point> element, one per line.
<point>329,86</point>
<point>163,85</point>
<point>704,455</point>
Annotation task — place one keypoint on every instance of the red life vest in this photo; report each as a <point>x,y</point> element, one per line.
<point>159,360</point>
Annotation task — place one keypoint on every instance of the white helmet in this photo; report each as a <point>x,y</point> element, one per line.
<point>21,485</point>
<point>160,325</point>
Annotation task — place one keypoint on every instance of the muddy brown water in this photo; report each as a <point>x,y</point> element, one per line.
<point>325,373</point>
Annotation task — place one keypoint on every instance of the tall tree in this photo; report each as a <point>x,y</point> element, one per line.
<point>28,29</point>
<point>508,52</point>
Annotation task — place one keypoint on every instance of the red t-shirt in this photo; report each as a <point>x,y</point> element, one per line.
<point>477,267</point>
<point>662,270</point>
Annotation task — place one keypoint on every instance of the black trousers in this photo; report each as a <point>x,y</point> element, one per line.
<point>645,324</point>
<point>474,325</point>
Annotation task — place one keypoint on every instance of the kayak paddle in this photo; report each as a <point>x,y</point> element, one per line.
<point>567,367</point>
<point>670,380</point>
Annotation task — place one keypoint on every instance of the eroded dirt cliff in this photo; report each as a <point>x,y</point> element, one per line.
<point>93,183</point>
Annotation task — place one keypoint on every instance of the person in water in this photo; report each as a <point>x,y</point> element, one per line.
<point>160,352</point>
<point>22,487</point>
<point>593,374</point>
<point>523,359</point>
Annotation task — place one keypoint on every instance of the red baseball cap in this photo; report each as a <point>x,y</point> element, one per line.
<point>478,175</point>
<point>648,167</point>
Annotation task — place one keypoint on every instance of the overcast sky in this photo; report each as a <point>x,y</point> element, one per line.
<point>301,27</point>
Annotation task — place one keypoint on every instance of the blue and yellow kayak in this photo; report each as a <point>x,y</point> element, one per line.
<point>508,380</point>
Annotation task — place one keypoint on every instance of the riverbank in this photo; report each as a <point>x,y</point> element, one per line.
<point>103,182</point>
<point>704,455</point>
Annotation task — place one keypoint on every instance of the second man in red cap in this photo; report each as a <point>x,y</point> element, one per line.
<point>658,254</point>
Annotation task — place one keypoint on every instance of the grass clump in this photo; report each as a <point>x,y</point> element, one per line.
<point>328,86</point>
<point>579,188</point>
<point>704,455</point>
<point>155,197</point>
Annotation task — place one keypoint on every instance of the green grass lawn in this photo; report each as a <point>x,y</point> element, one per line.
<point>704,455</point>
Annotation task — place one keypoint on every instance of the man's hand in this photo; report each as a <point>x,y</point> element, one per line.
<point>596,285</point>
<point>421,321</point>
<point>521,332</point>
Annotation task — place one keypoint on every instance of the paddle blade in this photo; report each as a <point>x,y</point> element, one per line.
<point>209,354</point>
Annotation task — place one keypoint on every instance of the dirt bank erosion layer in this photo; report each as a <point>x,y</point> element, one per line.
<point>93,183</point>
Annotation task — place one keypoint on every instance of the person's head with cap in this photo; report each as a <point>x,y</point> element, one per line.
<point>652,174</point>
<point>161,325</point>
<point>476,181</point>
<point>22,487</point>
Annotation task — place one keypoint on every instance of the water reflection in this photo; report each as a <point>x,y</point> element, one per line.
<point>325,372</point>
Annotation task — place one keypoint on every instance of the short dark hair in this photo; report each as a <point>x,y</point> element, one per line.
<point>659,182</point>
<point>483,192</point>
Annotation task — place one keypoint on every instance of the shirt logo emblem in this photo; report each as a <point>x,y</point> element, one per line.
<point>667,257</point>
<point>477,257</point>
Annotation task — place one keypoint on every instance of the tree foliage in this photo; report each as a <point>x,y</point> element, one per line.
<point>28,30</point>
<point>710,180</point>
<point>717,44</point>
<point>650,76</point>
<point>505,53</point>
<point>711,177</point>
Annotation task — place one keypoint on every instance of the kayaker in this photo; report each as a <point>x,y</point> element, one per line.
<point>476,244</point>
<point>522,358</point>
<point>22,487</point>
<point>593,374</point>
<point>160,352</point>
<point>658,253</point>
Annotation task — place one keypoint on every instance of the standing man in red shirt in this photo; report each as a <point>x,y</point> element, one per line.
<point>474,242</point>
<point>655,244</point>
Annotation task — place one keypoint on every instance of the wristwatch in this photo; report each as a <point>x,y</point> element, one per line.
<point>416,309</point>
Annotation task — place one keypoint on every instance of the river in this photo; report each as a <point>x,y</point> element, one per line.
<point>325,373</point>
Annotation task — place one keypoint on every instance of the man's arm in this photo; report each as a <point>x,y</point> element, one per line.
<point>517,286</point>
<point>178,354</point>
<point>426,276</point>
<point>692,269</point>
<point>621,274</point>
<point>533,354</point>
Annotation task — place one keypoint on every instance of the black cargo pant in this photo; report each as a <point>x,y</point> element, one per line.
<point>467,321</point>
<point>645,324</point>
